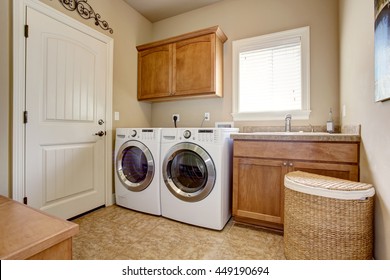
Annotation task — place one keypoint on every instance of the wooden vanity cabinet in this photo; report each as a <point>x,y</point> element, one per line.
<point>259,168</point>
<point>185,66</point>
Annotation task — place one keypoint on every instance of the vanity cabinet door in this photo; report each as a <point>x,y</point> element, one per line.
<point>258,192</point>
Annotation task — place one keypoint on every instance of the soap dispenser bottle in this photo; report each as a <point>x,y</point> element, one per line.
<point>329,123</point>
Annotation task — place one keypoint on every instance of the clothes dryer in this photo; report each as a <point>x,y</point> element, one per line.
<point>196,175</point>
<point>137,169</point>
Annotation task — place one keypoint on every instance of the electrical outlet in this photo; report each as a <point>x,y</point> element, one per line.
<point>344,112</point>
<point>176,115</point>
<point>206,116</point>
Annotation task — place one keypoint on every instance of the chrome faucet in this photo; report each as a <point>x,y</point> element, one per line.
<point>287,123</point>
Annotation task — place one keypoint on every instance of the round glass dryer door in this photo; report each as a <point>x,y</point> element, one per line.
<point>189,172</point>
<point>135,166</point>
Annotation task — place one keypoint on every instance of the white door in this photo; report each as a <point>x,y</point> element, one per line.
<point>65,104</point>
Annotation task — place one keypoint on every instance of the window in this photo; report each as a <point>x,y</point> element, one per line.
<point>271,76</point>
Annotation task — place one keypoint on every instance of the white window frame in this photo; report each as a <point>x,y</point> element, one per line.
<point>303,34</point>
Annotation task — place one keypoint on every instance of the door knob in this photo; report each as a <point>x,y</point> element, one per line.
<point>100,133</point>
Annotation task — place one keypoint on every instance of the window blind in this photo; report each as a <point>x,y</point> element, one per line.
<point>270,78</point>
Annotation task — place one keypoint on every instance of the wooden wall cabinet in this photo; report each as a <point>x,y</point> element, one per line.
<point>259,168</point>
<point>190,65</point>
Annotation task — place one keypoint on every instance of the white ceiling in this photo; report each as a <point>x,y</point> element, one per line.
<point>155,10</point>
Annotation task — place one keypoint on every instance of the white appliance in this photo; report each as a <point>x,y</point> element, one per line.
<point>196,175</point>
<point>137,169</point>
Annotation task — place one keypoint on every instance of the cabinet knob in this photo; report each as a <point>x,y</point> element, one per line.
<point>290,164</point>
<point>284,163</point>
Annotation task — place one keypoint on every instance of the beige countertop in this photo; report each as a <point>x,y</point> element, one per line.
<point>25,232</point>
<point>297,136</point>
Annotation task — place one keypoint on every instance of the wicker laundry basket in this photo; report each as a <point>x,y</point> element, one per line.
<point>327,218</point>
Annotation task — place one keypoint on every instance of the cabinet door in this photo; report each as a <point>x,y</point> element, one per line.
<point>341,171</point>
<point>194,66</point>
<point>155,72</point>
<point>258,192</point>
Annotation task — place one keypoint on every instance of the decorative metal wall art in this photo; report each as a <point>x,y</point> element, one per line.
<point>85,11</point>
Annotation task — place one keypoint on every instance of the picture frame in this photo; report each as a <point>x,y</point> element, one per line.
<point>382,50</point>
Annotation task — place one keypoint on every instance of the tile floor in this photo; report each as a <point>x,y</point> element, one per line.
<point>116,233</point>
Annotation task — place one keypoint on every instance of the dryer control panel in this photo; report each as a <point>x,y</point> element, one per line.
<point>208,135</point>
<point>197,135</point>
<point>200,135</point>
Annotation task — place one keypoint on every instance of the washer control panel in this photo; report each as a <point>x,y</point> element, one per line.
<point>143,134</point>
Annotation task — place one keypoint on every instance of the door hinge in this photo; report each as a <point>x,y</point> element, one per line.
<point>25,117</point>
<point>26,31</point>
<point>25,200</point>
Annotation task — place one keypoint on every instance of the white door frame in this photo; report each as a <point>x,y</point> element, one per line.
<point>19,62</point>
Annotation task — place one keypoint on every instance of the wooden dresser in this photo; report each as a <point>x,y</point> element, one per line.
<point>27,233</point>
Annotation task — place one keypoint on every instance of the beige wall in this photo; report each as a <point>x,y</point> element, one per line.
<point>5,29</point>
<point>357,94</point>
<point>247,18</point>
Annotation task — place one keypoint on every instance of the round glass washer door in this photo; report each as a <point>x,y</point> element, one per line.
<point>189,172</point>
<point>135,166</point>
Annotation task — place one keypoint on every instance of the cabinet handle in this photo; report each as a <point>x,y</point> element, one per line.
<point>284,163</point>
<point>291,164</point>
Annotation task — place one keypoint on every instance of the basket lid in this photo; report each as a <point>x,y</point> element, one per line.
<point>327,186</point>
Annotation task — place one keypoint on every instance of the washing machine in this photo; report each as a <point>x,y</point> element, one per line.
<point>137,169</point>
<point>196,174</point>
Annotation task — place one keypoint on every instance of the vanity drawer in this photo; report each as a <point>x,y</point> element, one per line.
<point>311,151</point>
